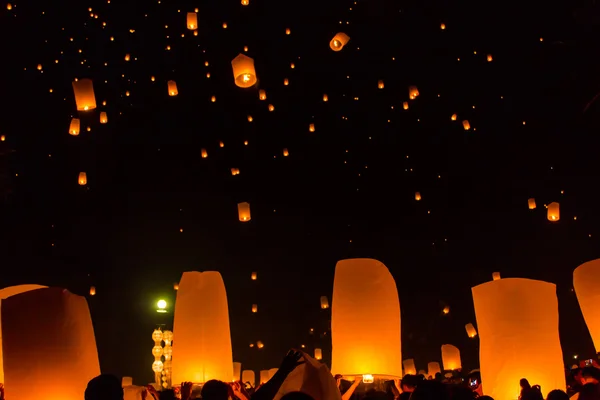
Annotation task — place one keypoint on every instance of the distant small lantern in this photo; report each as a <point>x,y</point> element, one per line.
<point>127,57</point>
<point>442,26</point>
<point>466,125</point>
<point>244,211</point>
<point>92,291</point>
<point>325,98</point>
<point>82,179</point>
<point>286,82</point>
<point>271,107</point>
<point>489,58</point>
<point>262,95</point>
<point>318,354</point>
<point>324,303</point>
<point>288,31</point>
<point>339,41</point>
<point>260,344</point>
<point>311,127</point>
<point>192,21</point>
<point>74,127</point>
<point>245,2</point>
<point>84,94</point>
<point>413,92</point>
<point>235,171</point>
<point>176,286</point>
<point>418,196</point>
<point>253,276</point>
<point>446,310</point>
<point>496,276</point>
<point>453,117</point>
<point>471,332</point>
<point>254,308</point>
<point>380,84</point>
<point>531,203</point>
<point>103,117</point>
<point>213,99</point>
<point>250,119</point>
<point>172,88</point>
<point>553,212</point>
<point>243,71</point>
<point>204,153</point>
<point>221,144</point>
<point>405,105</point>
<point>286,152</point>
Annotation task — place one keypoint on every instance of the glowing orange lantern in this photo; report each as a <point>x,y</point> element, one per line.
<point>243,71</point>
<point>286,152</point>
<point>433,368</point>
<point>192,21</point>
<point>339,41</point>
<point>74,127</point>
<point>254,308</point>
<point>264,376</point>
<point>405,105</point>
<point>311,127</point>
<point>172,86</point>
<point>92,290</point>
<point>451,357</point>
<point>84,94</point>
<point>324,303</point>
<point>204,153</point>
<point>249,377</point>
<point>453,117</point>
<point>489,58</point>
<point>531,203</point>
<point>318,354</point>
<point>103,117</point>
<point>586,278</point>
<point>262,95</point>
<point>253,276</point>
<point>237,371</point>
<point>82,179</point>
<point>244,211</point>
<point>496,276</point>
<point>466,125</point>
<point>518,329</point>
<point>471,331</point>
<point>409,367</point>
<point>380,84</point>
<point>413,92</point>
<point>553,212</point>
<point>418,196</point>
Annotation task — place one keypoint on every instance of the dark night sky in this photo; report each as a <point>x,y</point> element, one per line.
<point>346,190</point>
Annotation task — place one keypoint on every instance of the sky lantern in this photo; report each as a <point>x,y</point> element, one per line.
<point>518,336</point>
<point>311,127</point>
<point>365,320</point>
<point>127,57</point>
<point>204,153</point>
<point>413,92</point>
<point>254,308</point>
<point>260,344</point>
<point>74,127</point>
<point>466,125</point>
<point>471,331</point>
<point>235,171</point>
<point>103,117</point>
<point>586,279</point>
<point>243,71</point>
<point>244,211</point>
<point>418,196</point>
<point>172,86</point>
<point>237,371</point>
<point>531,203</point>
<point>496,276</point>
<point>325,97</point>
<point>286,152</point>
<point>253,276</point>
<point>36,356</point>
<point>5,294</point>
<point>405,105</point>
<point>451,357</point>
<point>446,310</point>
<point>264,376</point>
<point>192,21</point>
<point>409,367</point>
<point>262,95</point>
<point>324,303</point>
<point>202,350</point>
<point>248,376</point>
<point>92,290</point>
<point>339,41</point>
<point>84,94</point>
<point>553,212</point>
<point>453,117</point>
<point>489,58</point>
<point>433,368</point>
<point>318,354</point>
<point>380,84</point>
<point>82,179</point>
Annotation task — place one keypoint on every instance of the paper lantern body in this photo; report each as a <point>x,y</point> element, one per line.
<point>466,125</point>
<point>531,203</point>
<point>103,117</point>
<point>496,276</point>
<point>518,333</point>
<point>433,368</point>
<point>84,94</point>
<point>48,344</point>
<point>192,21</point>
<point>553,212</point>
<point>248,376</point>
<point>451,357</point>
<point>202,349</point>
<point>264,376</point>
<point>318,354</point>
<point>172,87</point>
<point>74,127</point>
<point>244,211</point>
<point>471,331</point>
<point>82,179</point>
<point>339,41</point>
<point>126,381</point>
<point>586,279</point>
<point>312,378</point>
<point>413,92</point>
<point>243,71</point>
<point>409,367</point>
<point>365,320</point>
<point>237,371</point>
<point>5,294</point>
<point>324,302</point>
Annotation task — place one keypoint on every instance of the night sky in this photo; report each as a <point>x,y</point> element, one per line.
<point>154,208</point>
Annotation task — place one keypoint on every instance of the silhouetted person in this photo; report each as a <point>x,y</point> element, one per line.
<point>408,385</point>
<point>533,393</point>
<point>214,390</point>
<point>461,393</point>
<point>430,390</point>
<point>557,394</point>
<point>104,387</point>
<point>589,391</point>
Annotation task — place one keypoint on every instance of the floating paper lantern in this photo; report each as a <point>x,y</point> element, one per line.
<point>286,152</point>
<point>489,58</point>
<point>405,105</point>
<point>271,107</point>
<point>409,367</point>
<point>446,310</point>
<point>84,94</point>
<point>264,376</point>
<point>466,125</point>
<point>253,276</point>
<point>192,21</point>
<point>286,82</point>
<point>203,153</point>
<point>260,344</point>
<point>172,87</point>
<point>433,368</point>
<point>453,117</point>
<point>126,381</point>
<point>325,97</point>
<point>82,179</point>
<point>74,127</point>
<point>324,303</point>
<point>176,286</point>
<point>262,95</point>
<point>318,354</point>
<point>244,211</point>
<point>442,26</point>
<point>586,279</point>
<point>471,331</point>
<point>237,371</point>
<point>235,171</point>
<point>365,320</point>
<point>495,276</point>
<point>553,212</point>
<point>52,350</point>
<point>413,92</point>
<point>288,31</point>
<point>531,203</point>
<point>518,334</point>
<point>311,127</point>
<point>245,2</point>
<point>254,308</point>
<point>339,41</point>
<point>418,196</point>
<point>380,84</point>
<point>202,350</point>
<point>249,377</point>
<point>92,290</point>
<point>103,117</point>
<point>127,57</point>
<point>451,357</point>
<point>243,71</point>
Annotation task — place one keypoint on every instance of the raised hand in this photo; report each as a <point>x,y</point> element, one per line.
<point>186,390</point>
<point>291,361</point>
<point>239,391</point>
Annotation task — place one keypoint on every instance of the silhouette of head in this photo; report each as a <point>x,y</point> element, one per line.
<point>215,390</point>
<point>430,390</point>
<point>557,394</point>
<point>104,387</point>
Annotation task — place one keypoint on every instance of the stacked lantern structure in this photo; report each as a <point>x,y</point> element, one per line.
<point>157,352</point>
<point>168,353</point>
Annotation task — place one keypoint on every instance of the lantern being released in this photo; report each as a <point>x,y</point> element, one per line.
<point>451,357</point>
<point>84,94</point>
<point>339,41</point>
<point>172,86</point>
<point>324,302</point>
<point>553,212</point>
<point>243,71</point>
<point>586,279</point>
<point>409,367</point>
<point>244,211</point>
<point>365,320</point>
<point>471,331</point>
<point>202,349</point>
<point>433,368</point>
<point>237,371</point>
<point>318,354</point>
<point>192,21</point>
<point>37,358</point>
<point>518,333</point>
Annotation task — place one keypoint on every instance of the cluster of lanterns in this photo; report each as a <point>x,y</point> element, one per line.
<point>162,369</point>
